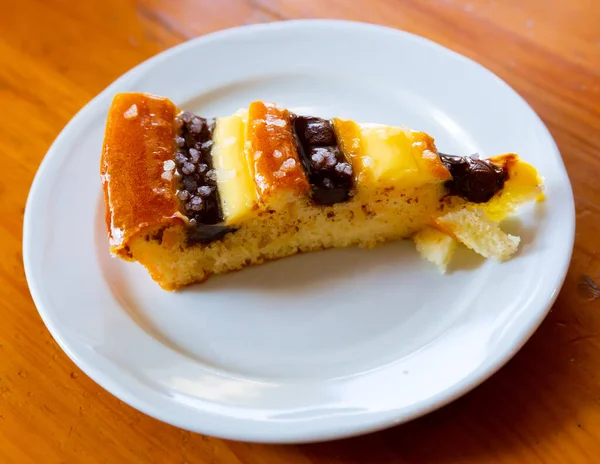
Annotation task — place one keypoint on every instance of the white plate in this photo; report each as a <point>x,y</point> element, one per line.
<point>317,346</point>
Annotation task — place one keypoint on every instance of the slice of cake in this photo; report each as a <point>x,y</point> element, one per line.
<point>188,197</point>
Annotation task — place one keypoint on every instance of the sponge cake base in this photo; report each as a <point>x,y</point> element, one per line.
<point>389,214</point>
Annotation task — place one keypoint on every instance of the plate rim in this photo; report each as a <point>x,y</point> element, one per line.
<point>458,389</point>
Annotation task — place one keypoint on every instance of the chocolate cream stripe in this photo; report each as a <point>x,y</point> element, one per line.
<point>328,172</point>
<point>197,179</point>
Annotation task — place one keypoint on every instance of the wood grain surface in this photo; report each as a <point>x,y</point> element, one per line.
<point>543,407</point>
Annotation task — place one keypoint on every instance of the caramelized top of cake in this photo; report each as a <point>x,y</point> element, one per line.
<point>137,166</point>
<point>272,154</point>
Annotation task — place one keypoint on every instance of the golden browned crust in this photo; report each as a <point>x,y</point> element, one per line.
<point>349,140</point>
<point>271,144</point>
<point>424,149</point>
<point>139,138</point>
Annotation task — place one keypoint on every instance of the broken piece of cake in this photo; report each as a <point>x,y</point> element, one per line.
<point>188,197</point>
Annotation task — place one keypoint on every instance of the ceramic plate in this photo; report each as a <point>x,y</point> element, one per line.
<point>317,346</point>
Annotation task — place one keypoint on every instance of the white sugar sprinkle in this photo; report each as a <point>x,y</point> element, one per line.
<point>132,112</point>
<point>318,157</point>
<point>160,191</point>
<point>277,122</point>
<point>257,154</point>
<point>116,236</point>
<point>288,164</point>
<point>277,154</point>
<point>204,191</point>
<point>344,168</point>
<point>211,175</point>
<point>260,180</point>
<point>226,174</point>
<point>167,175</point>
<point>279,174</point>
<point>169,165</point>
<point>429,154</point>
<point>229,141</point>
<point>382,133</point>
<point>188,168</point>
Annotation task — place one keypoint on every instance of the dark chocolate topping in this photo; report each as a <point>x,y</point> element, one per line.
<point>473,179</point>
<point>329,174</point>
<point>198,180</point>
<point>318,132</point>
<point>198,187</point>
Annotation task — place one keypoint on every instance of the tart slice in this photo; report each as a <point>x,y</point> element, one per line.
<point>188,197</point>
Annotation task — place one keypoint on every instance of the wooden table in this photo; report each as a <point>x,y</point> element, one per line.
<point>543,407</point>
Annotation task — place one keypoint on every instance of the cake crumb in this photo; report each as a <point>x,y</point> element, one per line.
<point>132,112</point>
